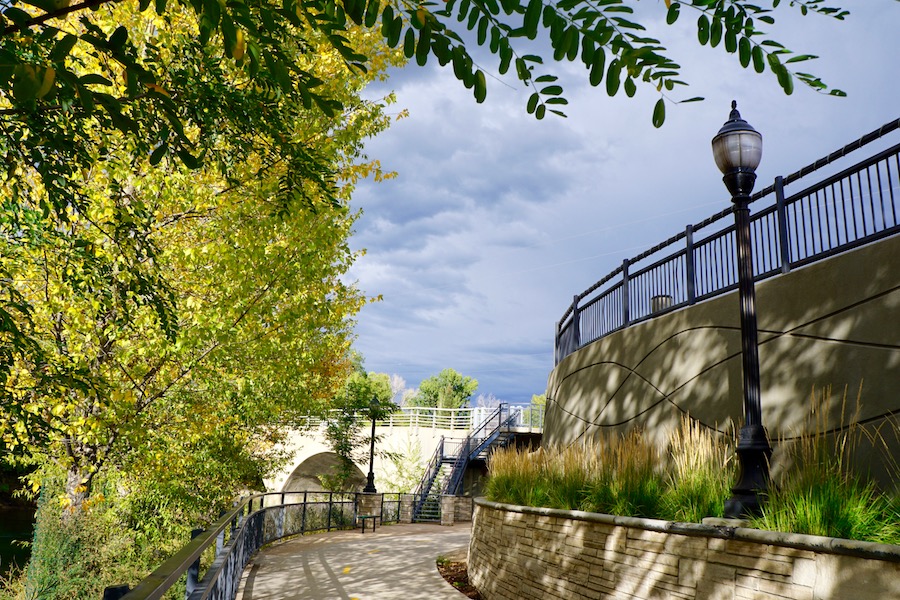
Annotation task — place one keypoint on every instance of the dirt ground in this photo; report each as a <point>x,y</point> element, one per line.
<point>454,569</point>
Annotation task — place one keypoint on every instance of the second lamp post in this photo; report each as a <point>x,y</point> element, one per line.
<point>370,479</point>
<point>737,149</point>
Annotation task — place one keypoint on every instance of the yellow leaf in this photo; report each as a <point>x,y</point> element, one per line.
<point>47,83</point>
<point>238,51</point>
<point>668,3</point>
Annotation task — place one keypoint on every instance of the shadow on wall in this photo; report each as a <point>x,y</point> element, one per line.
<point>529,554</point>
<point>829,326</point>
<point>305,478</point>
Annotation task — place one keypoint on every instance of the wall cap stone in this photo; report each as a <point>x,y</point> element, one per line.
<point>812,543</point>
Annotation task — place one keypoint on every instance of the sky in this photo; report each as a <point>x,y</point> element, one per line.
<point>496,220</point>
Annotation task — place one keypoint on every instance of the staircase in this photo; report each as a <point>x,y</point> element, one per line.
<point>447,467</point>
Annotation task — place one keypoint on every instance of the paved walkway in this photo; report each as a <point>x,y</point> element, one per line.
<point>395,562</point>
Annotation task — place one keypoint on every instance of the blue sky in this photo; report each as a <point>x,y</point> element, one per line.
<point>497,220</point>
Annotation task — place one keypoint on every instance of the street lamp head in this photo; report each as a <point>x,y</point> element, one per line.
<point>737,149</point>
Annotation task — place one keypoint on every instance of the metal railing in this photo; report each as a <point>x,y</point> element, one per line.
<point>239,534</point>
<point>854,207</point>
<point>504,419</point>
<point>415,416</point>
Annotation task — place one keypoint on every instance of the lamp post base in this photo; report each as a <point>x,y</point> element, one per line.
<point>370,484</point>
<point>749,493</point>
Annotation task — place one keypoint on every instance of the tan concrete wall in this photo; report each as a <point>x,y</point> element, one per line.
<point>833,324</point>
<point>303,445</point>
<point>519,553</point>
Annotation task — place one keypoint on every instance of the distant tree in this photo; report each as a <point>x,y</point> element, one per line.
<point>487,401</point>
<point>447,389</point>
<point>398,388</point>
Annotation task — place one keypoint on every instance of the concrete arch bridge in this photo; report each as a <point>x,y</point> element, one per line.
<point>419,438</point>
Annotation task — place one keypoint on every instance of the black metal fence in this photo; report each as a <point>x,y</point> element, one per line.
<point>239,534</point>
<point>851,208</point>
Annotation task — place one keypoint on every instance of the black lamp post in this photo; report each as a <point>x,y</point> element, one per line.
<point>737,149</point>
<point>370,479</point>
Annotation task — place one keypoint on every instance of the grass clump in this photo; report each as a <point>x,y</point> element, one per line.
<point>691,476</point>
<point>821,495</point>
<point>622,475</point>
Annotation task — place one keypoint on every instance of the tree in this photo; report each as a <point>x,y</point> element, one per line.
<point>164,306</point>
<point>53,98</point>
<point>363,397</point>
<point>447,389</point>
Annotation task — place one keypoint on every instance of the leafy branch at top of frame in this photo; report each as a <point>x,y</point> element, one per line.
<point>734,24</point>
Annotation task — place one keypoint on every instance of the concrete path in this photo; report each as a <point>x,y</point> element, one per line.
<point>397,562</point>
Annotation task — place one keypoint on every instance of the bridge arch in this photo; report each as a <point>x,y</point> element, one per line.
<point>305,476</point>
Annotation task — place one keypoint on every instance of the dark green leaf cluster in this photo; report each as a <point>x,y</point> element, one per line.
<point>734,24</point>
<point>601,34</point>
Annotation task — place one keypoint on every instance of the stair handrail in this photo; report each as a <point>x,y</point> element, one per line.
<point>466,451</point>
<point>431,470</point>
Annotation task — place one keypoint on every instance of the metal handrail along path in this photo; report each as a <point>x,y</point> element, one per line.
<point>857,206</point>
<point>240,533</point>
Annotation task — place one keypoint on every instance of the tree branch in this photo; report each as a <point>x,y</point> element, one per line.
<point>61,12</point>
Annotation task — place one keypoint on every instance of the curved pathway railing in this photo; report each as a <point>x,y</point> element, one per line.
<point>851,208</point>
<point>240,533</point>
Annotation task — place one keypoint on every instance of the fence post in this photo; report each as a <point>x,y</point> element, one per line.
<point>303,515</point>
<point>114,592</point>
<point>556,344</point>
<point>689,264</point>
<point>193,572</point>
<point>330,504</point>
<point>576,324</point>
<point>626,309</point>
<point>781,212</point>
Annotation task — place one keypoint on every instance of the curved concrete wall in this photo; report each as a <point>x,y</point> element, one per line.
<point>832,325</point>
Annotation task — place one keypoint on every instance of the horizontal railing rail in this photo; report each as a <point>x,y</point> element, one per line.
<point>239,534</point>
<point>458,419</point>
<point>856,206</point>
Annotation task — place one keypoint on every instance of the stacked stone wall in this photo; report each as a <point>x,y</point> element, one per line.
<point>522,553</point>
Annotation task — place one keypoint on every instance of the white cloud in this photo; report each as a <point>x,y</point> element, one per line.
<point>497,220</point>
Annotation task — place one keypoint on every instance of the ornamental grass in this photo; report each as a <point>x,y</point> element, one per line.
<point>690,477</point>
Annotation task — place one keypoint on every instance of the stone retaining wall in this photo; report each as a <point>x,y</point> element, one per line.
<point>522,553</point>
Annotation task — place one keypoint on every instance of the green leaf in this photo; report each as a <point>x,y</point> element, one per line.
<point>703,30</point>
<point>94,79</point>
<point>372,13</point>
<point>694,99</point>
<point>423,48</point>
<point>731,41</point>
<point>715,33</point>
<point>394,31</point>
<point>597,67</point>
<point>800,58</point>
<point>482,29</point>
<point>552,90</point>
<point>659,113</point>
<point>744,52</point>
<point>630,87</point>
<point>612,77</point>
<point>673,12</point>
<point>786,81</point>
<point>158,153</point>
<point>189,160</point>
<point>540,112</point>
<point>409,43</point>
<point>480,87</point>
<point>63,47</point>
<point>759,61</point>
<point>532,103</point>
<point>506,55</point>
<point>532,18</point>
